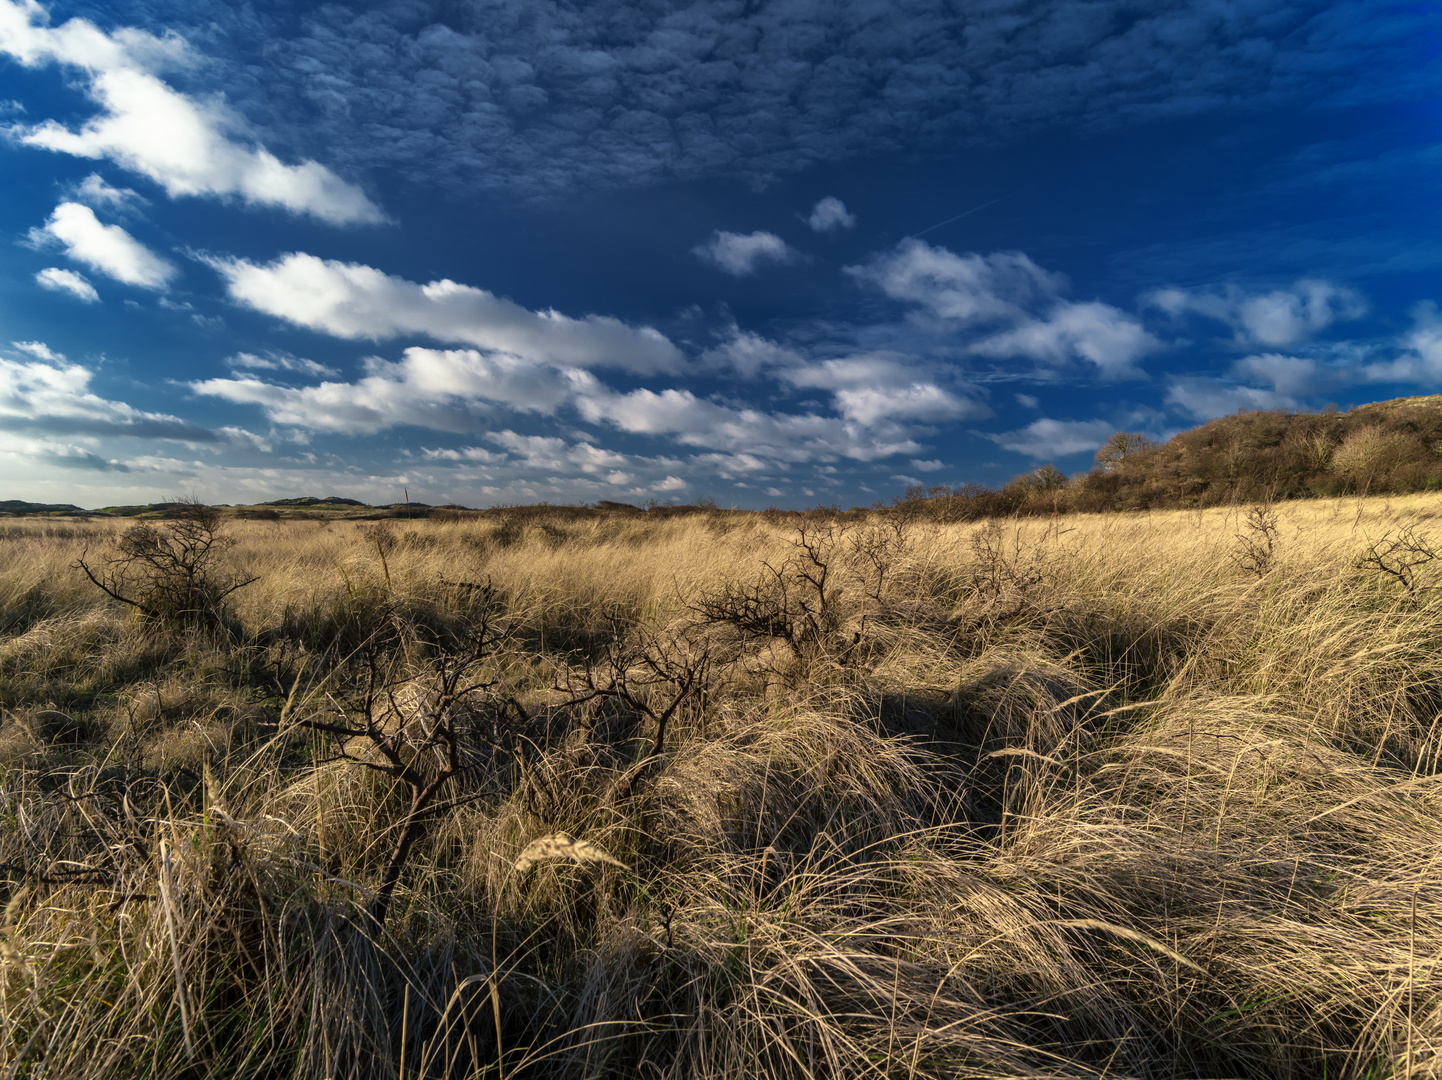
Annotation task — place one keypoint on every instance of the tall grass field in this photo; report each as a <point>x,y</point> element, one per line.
<point>724,795</point>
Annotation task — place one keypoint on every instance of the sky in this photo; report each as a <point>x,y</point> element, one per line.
<point>767,253</point>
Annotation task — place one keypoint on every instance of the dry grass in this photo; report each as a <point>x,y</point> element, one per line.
<point>1060,797</point>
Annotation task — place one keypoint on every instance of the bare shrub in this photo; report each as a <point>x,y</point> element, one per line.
<point>792,602</point>
<point>172,572</point>
<point>423,739</point>
<point>1400,556</point>
<point>1004,572</point>
<point>1256,549</point>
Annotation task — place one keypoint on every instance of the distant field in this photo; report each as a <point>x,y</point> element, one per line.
<point>723,795</point>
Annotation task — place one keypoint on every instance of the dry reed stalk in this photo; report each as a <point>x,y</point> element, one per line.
<point>167,890</point>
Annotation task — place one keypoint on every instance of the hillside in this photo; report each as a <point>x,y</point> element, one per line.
<point>1384,448</point>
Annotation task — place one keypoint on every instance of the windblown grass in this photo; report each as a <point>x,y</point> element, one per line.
<point>1073,797</point>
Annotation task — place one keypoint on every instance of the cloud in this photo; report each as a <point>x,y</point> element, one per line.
<point>1207,398</point>
<point>108,249</point>
<point>55,396</point>
<point>1010,306</point>
<point>281,362</point>
<point>694,421</point>
<point>349,300</point>
<point>739,255</point>
<point>186,146</point>
<point>445,390</point>
<point>967,289</point>
<point>544,97</point>
<point>749,354</point>
<point>1042,439</point>
<point>830,214</point>
<point>1276,319</point>
<point>1109,338</point>
<point>39,350</point>
<point>94,191</point>
<point>1421,360</point>
<point>52,277</point>
<point>876,387</point>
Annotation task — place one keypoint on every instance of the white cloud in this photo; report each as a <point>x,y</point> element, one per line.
<point>749,354</point>
<point>52,277</point>
<point>446,390</point>
<point>465,453</point>
<point>1206,399</point>
<point>694,421</point>
<point>1421,362</point>
<point>1028,401</point>
<point>1014,303</point>
<point>1288,375</point>
<point>350,300</point>
<point>671,483</point>
<point>1277,319</point>
<point>186,146</point>
<point>738,255</point>
<point>931,465</point>
<point>108,249</point>
<point>39,350</point>
<point>873,387</point>
<point>829,214</point>
<point>94,191</point>
<point>971,288</point>
<point>1042,439</point>
<point>1110,339</point>
<point>55,396</point>
<point>281,362</point>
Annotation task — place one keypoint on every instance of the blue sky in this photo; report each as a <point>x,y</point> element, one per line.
<point>487,251</point>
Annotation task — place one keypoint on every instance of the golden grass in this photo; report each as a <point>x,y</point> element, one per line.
<point>1061,797</point>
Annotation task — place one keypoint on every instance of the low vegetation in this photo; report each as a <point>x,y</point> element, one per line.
<point>716,794</point>
<point>1385,448</point>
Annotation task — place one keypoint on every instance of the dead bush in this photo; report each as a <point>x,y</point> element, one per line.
<point>172,572</point>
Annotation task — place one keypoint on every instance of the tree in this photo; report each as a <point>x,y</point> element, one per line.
<point>1120,447</point>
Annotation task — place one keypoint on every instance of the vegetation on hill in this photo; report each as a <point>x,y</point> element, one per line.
<point>723,795</point>
<point>1385,448</point>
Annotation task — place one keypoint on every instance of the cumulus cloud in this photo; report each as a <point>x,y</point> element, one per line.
<point>877,387</point>
<point>58,280</point>
<point>445,390</point>
<point>1205,398</point>
<point>749,354</point>
<point>1045,438</point>
<point>739,255</point>
<point>186,146</point>
<point>107,249</point>
<point>1109,338</point>
<point>55,396</point>
<point>350,300</point>
<point>1275,319</point>
<point>1421,357</point>
<point>1010,306</point>
<point>830,214</point>
<point>39,350</point>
